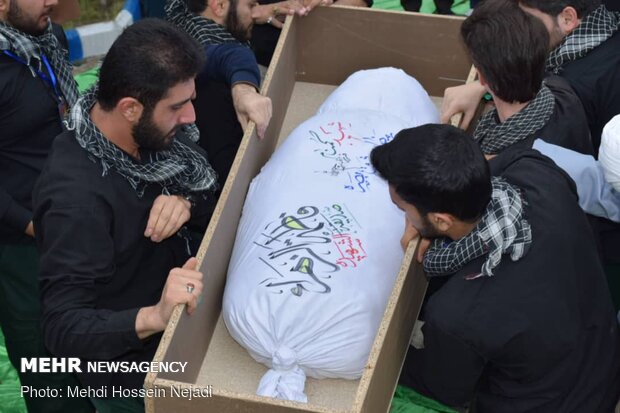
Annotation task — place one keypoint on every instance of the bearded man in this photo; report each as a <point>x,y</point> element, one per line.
<point>227,89</point>
<point>127,162</point>
<point>518,317</point>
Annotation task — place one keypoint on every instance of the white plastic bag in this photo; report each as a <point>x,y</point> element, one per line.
<point>317,247</point>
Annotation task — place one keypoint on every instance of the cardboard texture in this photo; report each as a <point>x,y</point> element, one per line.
<point>314,55</point>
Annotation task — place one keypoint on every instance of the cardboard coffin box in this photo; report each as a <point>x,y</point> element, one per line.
<point>314,55</point>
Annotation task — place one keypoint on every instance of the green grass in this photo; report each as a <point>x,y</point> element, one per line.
<point>428,6</point>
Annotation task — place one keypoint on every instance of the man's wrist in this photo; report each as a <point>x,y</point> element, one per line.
<point>149,322</point>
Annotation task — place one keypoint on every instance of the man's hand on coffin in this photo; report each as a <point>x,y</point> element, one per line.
<point>251,106</point>
<point>183,286</point>
<point>462,99</point>
<point>168,214</point>
<point>422,247</point>
<point>311,4</point>
<point>409,235</point>
<point>275,13</point>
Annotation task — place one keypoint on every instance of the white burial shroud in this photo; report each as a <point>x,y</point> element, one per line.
<point>317,248</point>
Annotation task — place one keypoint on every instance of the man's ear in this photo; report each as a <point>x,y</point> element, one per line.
<point>568,20</point>
<point>219,7</point>
<point>130,108</point>
<point>441,221</point>
<point>4,9</point>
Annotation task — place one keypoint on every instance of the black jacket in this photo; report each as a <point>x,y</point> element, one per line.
<point>596,80</point>
<point>568,125</point>
<point>29,122</point>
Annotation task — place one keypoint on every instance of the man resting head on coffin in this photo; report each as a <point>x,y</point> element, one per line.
<point>521,315</point>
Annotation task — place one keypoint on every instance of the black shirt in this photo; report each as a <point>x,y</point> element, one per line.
<point>97,267</point>
<point>29,122</point>
<point>541,334</point>
<point>596,80</point>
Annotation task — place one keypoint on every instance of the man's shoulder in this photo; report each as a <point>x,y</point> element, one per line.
<point>65,146</point>
<point>604,58</point>
<point>568,125</point>
<point>522,160</point>
<point>68,162</point>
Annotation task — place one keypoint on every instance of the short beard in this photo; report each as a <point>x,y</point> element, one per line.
<point>233,25</point>
<point>147,135</point>
<point>428,230</point>
<point>17,19</point>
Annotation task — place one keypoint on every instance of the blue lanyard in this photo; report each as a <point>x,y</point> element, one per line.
<point>51,79</point>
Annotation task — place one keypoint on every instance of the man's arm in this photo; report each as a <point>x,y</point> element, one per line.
<point>235,65</point>
<point>77,256</point>
<point>153,319</point>
<point>462,99</point>
<point>231,63</point>
<point>596,196</point>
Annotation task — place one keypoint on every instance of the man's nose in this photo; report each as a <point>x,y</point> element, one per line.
<point>188,115</point>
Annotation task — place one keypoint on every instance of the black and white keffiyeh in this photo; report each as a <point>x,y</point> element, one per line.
<point>30,49</point>
<point>494,136</point>
<point>594,29</point>
<point>502,230</point>
<point>180,170</point>
<point>203,30</point>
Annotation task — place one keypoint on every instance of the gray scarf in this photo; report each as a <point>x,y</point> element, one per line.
<point>203,30</point>
<point>30,49</point>
<point>180,170</point>
<point>593,30</point>
<point>494,136</point>
<point>502,230</point>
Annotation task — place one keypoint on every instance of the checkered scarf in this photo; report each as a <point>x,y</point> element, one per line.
<point>593,30</point>
<point>180,170</point>
<point>30,48</point>
<point>502,230</point>
<point>494,136</point>
<point>203,30</point>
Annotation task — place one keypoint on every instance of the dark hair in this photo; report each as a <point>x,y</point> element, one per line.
<point>509,48</point>
<point>197,6</point>
<point>436,168</point>
<point>146,60</point>
<point>555,7</point>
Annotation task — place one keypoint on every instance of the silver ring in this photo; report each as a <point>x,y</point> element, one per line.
<point>269,20</point>
<point>189,287</point>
